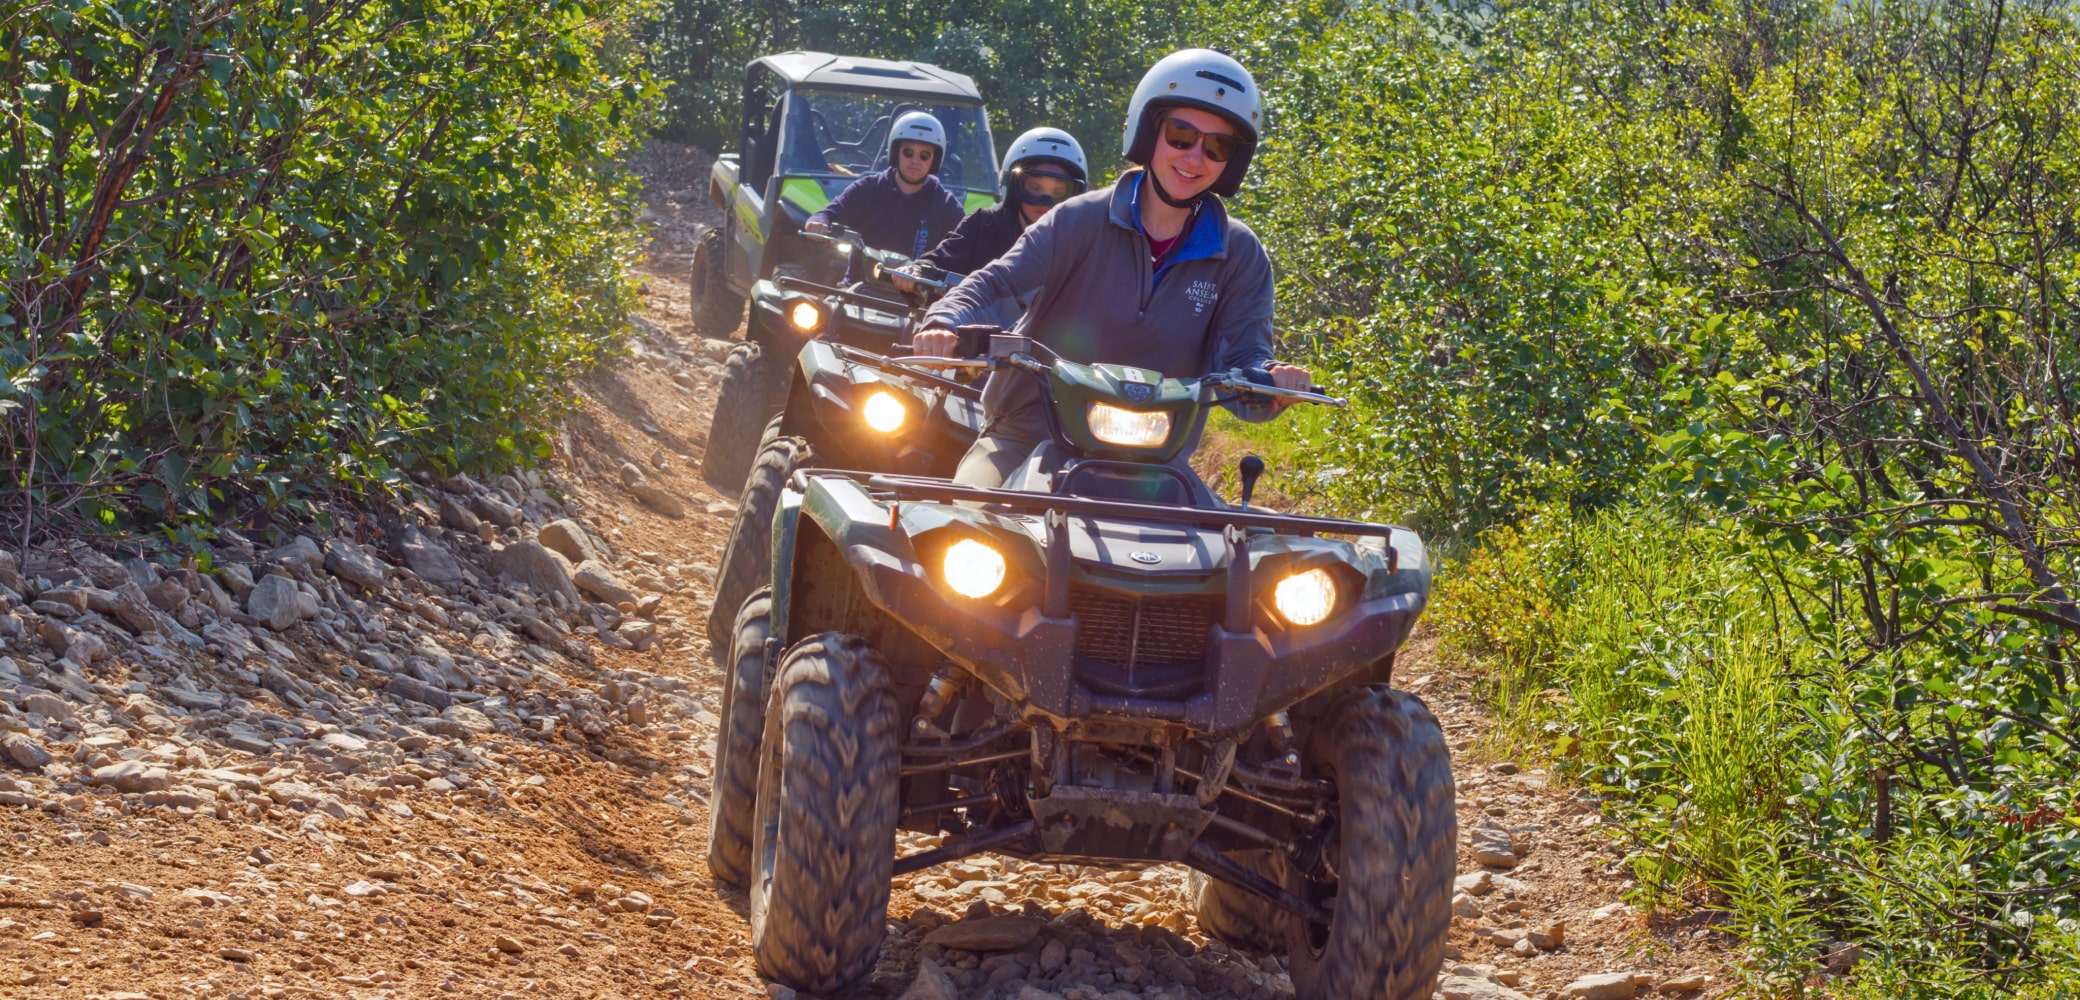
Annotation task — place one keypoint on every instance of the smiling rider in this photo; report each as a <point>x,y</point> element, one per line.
<point>1151,272</point>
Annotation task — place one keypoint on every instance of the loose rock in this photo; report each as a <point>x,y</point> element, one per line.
<point>1605,986</point>
<point>541,569</point>
<point>986,934</point>
<point>354,564</point>
<point>273,600</point>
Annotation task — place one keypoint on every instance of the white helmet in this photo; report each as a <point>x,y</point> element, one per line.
<point>1043,144</point>
<point>1196,78</point>
<point>917,126</point>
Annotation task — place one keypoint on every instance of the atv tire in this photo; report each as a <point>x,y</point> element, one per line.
<point>824,844</point>
<point>1237,916</point>
<point>716,309</point>
<point>1390,907</point>
<point>747,558</point>
<point>742,408</point>
<point>736,748</point>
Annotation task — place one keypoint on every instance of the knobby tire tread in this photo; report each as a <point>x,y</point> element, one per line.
<point>827,811</point>
<point>747,562</point>
<point>741,411</point>
<point>716,309</point>
<point>735,789</point>
<point>1399,836</point>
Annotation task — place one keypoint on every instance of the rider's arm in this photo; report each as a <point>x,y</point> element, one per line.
<point>1242,325</point>
<point>850,203</point>
<point>1019,274</point>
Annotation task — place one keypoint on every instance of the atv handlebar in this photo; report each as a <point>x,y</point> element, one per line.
<point>1242,381</point>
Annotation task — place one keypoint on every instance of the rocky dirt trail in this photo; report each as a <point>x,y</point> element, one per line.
<point>464,750</point>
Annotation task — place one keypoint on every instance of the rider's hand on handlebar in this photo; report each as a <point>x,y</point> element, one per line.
<point>902,283</point>
<point>937,342</point>
<point>1293,377</point>
<point>816,226</point>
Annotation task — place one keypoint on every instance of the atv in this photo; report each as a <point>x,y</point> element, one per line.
<point>841,401</point>
<point>813,123</point>
<point>790,308</point>
<point>1100,663</point>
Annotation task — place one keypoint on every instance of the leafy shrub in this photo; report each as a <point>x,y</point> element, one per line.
<point>254,251</point>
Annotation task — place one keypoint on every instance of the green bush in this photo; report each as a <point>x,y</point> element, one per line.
<point>271,251</point>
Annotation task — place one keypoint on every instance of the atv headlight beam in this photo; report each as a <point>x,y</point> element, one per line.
<point>805,316</point>
<point>972,569</point>
<point>1306,598</point>
<point>1128,428</point>
<point>884,412</point>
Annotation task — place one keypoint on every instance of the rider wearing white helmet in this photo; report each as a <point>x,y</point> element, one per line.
<point>903,208</point>
<point>1151,272</point>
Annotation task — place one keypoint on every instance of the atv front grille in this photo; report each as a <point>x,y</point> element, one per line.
<point>1142,646</point>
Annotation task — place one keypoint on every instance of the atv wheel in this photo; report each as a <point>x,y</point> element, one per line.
<point>736,748</point>
<point>1238,916</point>
<point>716,309</point>
<point>827,803</point>
<point>747,558</point>
<point>1390,904</point>
<point>741,411</point>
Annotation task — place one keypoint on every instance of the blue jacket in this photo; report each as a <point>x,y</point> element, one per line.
<point>888,219</point>
<point>1094,296</point>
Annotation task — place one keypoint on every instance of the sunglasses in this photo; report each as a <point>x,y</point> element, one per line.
<point>1219,145</point>
<point>924,153</point>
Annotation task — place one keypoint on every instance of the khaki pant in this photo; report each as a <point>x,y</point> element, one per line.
<point>994,456</point>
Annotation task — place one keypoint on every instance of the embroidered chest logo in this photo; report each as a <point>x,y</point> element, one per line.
<point>1202,294</point>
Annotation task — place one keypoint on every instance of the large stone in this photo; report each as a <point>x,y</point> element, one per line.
<point>10,575</point>
<point>355,564</point>
<point>496,511</point>
<point>455,515</point>
<point>1604,986</point>
<point>23,752</point>
<point>429,558</point>
<point>659,500</point>
<point>127,604</point>
<point>986,934</point>
<point>468,717</point>
<point>138,776</point>
<point>541,569</point>
<point>169,595</point>
<point>1492,846</point>
<point>73,645</point>
<point>273,600</point>
<point>238,578</point>
<point>413,689</point>
<point>296,553</point>
<point>568,538</point>
<point>598,579</point>
<point>931,984</point>
<point>1471,988</point>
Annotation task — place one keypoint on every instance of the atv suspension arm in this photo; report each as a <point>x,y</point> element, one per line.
<point>968,845</point>
<point>1220,866</point>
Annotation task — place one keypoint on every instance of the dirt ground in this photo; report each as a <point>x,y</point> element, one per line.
<point>580,870</point>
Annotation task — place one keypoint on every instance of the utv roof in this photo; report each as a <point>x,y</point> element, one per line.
<point>882,76</point>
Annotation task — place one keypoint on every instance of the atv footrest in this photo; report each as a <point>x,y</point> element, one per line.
<point>1117,823</point>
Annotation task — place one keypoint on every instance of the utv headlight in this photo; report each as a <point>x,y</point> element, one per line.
<point>884,412</point>
<point>1128,428</point>
<point>1306,598</point>
<point>805,316</point>
<point>973,569</point>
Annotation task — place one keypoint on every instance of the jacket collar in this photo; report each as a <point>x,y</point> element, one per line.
<point>1208,238</point>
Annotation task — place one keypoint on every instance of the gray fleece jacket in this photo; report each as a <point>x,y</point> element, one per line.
<point>1096,297</point>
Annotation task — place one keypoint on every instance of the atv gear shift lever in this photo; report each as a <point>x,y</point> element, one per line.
<point>1252,467</point>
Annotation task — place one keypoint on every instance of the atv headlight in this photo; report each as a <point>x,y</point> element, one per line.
<point>884,412</point>
<point>1307,597</point>
<point>805,316</point>
<point>1128,428</point>
<point>973,569</point>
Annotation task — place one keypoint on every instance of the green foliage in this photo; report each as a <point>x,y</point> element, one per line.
<point>262,251</point>
<point>1070,65</point>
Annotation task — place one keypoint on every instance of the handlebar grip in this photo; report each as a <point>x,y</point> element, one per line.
<point>1262,376</point>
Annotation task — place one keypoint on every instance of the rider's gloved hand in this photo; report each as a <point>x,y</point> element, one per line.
<point>937,342</point>
<point>1292,377</point>
<point>816,226</point>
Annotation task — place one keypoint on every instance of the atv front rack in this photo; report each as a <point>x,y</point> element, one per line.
<point>1056,510</point>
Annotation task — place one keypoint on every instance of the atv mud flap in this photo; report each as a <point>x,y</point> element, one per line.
<point>1086,823</point>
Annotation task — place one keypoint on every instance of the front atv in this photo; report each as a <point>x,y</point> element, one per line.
<point>1101,663</point>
